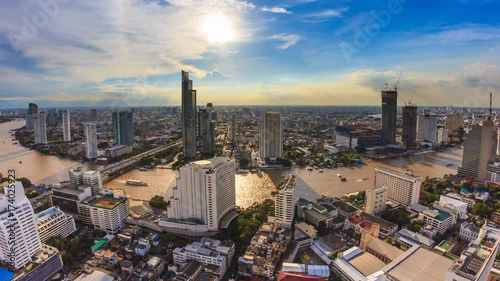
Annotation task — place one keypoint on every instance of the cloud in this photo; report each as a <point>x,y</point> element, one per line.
<point>277,10</point>
<point>330,13</point>
<point>288,39</point>
<point>214,77</point>
<point>453,35</point>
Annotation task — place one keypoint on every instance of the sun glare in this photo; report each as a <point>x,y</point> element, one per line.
<point>218,28</point>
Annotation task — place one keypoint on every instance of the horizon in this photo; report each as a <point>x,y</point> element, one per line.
<point>300,52</point>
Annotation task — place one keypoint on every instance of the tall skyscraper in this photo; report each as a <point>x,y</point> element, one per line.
<point>93,115</point>
<point>480,148</point>
<point>90,130</point>
<point>389,114</point>
<point>204,194</point>
<point>188,117</point>
<point>123,128</point>
<point>66,124</point>
<point>207,126</point>
<point>285,200</point>
<point>40,127</point>
<point>24,235</point>
<point>427,127</point>
<point>92,179</point>
<point>32,111</point>
<point>409,136</point>
<point>271,135</point>
<point>401,187</point>
<point>233,130</point>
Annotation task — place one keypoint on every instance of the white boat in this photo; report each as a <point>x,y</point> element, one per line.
<point>339,175</point>
<point>309,168</point>
<point>321,170</point>
<point>136,182</point>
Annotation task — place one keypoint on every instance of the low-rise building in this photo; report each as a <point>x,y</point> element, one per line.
<point>345,210</point>
<point>387,228</point>
<point>459,206</point>
<point>475,263</point>
<point>408,239</point>
<point>314,213</point>
<point>468,231</point>
<point>54,222</point>
<point>439,219</point>
<point>118,150</point>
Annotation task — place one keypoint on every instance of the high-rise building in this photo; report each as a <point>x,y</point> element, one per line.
<point>54,222</point>
<point>66,124</point>
<point>409,136</point>
<point>403,188</point>
<point>375,200</point>
<point>389,116</point>
<point>271,135</point>
<point>188,117</point>
<point>40,127</point>
<point>207,127</point>
<point>285,203</point>
<point>93,115</point>
<point>76,177</point>
<point>427,128</point>
<point>233,130</point>
<point>123,128</point>
<point>454,121</point>
<point>90,130</point>
<point>204,194</point>
<point>442,135</point>
<point>18,229</point>
<point>144,128</point>
<point>107,212</point>
<point>32,111</point>
<point>93,180</point>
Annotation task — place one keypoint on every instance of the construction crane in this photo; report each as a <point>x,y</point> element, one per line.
<point>397,83</point>
<point>412,96</point>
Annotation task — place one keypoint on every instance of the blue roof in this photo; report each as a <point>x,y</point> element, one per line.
<point>464,191</point>
<point>6,275</point>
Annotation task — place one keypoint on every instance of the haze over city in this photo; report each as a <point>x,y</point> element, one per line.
<point>296,52</point>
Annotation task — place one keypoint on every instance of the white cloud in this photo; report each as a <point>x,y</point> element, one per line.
<point>277,10</point>
<point>454,35</point>
<point>330,13</point>
<point>287,39</point>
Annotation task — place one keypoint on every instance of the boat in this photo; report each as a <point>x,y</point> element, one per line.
<point>343,179</point>
<point>136,182</point>
<point>143,169</point>
<point>339,175</point>
<point>409,172</point>
<point>449,165</point>
<point>20,162</point>
<point>321,170</point>
<point>309,168</point>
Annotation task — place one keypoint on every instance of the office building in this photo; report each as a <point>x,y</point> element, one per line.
<point>479,150</point>
<point>66,125</point>
<point>107,212</point>
<point>427,128</point>
<point>271,136</point>
<point>30,115</point>
<point>402,188</point>
<point>188,117</point>
<point>375,200</point>
<point>25,233</point>
<point>144,128</point>
<point>204,194</point>
<point>409,137</point>
<point>123,128</point>
<point>389,116</point>
<point>90,130</point>
<point>93,180</point>
<point>285,202</point>
<point>207,130</point>
<point>54,222</point>
<point>93,115</point>
<point>233,130</point>
<point>40,127</point>
<point>68,198</point>
<point>76,177</point>
<point>454,121</point>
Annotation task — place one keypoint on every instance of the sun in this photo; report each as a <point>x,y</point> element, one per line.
<point>218,28</point>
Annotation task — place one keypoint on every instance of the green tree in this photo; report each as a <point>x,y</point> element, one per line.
<point>158,202</point>
<point>31,194</point>
<point>26,182</point>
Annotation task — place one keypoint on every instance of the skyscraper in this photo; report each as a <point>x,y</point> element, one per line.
<point>123,128</point>
<point>93,115</point>
<point>90,140</point>
<point>24,236</point>
<point>409,136</point>
<point>204,194</point>
<point>285,202</point>
<point>233,130</point>
<point>32,110</point>
<point>207,126</point>
<point>66,124</point>
<point>40,127</point>
<point>271,135</point>
<point>427,127</point>
<point>188,117</point>
<point>144,128</point>
<point>454,121</point>
<point>389,114</point>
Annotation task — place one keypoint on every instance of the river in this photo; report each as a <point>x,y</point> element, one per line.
<point>249,187</point>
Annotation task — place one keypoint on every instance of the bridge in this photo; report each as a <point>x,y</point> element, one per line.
<point>122,166</point>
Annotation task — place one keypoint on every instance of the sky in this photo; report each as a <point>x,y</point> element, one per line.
<point>62,53</point>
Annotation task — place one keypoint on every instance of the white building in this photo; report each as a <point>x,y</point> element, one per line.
<point>204,194</point>
<point>93,179</point>
<point>271,136</point>
<point>40,127</point>
<point>107,212</point>
<point>90,140</point>
<point>16,210</point>
<point>451,203</point>
<point>53,222</point>
<point>66,125</point>
<point>375,200</point>
<point>207,252</point>
<point>401,187</point>
<point>439,219</point>
<point>468,231</point>
<point>427,128</point>
<point>285,203</point>
<point>442,135</point>
<point>76,177</point>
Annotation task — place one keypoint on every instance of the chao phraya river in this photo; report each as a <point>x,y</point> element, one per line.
<point>249,187</point>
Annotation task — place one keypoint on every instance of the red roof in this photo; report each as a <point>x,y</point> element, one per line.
<point>361,222</point>
<point>287,276</point>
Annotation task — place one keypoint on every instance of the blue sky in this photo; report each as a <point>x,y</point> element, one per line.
<point>317,52</point>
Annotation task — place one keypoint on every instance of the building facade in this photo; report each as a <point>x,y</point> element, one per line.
<point>32,111</point>
<point>123,128</point>
<point>389,116</point>
<point>409,137</point>
<point>427,128</point>
<point>454,121</point>
<point>40,127</point>
<point>93,180</point>
<point>375,200</point>
<point>271,135</point>
<point>107,212</point>
<point>285,203</point>
<point>54,222</point>
<point>401,187</point>
<point>90,130</point>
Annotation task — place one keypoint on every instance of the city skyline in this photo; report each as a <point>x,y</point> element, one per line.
<point>298,50</point>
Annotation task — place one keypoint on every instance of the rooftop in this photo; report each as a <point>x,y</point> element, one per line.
<point>437,214</point>
<point>416,237</point>
<point>366,263</point>
<point>108,201</point>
